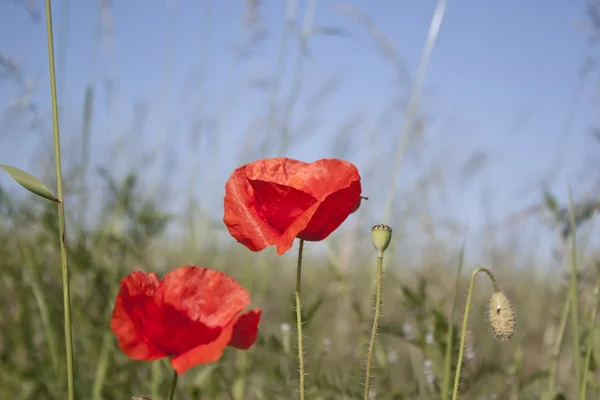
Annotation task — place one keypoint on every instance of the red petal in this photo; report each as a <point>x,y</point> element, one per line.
<point>287,239</point>
<point>132,312</point>
<point>332,212</point>
<point>241,217</point>
<point>203,354</point>
<point>204,295</point>
<point>174,332</point>
<point>245,330</point>
<point>241,331</point>
<point>280,205</point>
<point>325,176</point>
<point>322,218</point>
<point>278,170</point>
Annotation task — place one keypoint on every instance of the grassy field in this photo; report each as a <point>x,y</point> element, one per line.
<point>411,345</point>
<point>553,354</point>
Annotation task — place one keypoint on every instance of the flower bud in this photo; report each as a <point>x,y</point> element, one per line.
<point>501,317</point>
<point>381,234</point>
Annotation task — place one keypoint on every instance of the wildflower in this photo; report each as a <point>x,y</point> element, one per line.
<point>275,200</point>
<point>191,316</point>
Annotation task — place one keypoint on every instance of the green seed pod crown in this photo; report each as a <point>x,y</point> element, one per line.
<point>381,235</point>
<point>501,317</point>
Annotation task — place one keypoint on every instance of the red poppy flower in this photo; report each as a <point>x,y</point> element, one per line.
<point>272,201</point>
<point>191,315</point>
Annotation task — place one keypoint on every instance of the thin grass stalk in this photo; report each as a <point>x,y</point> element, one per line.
<point>156,376</point>
<point>241,358</point>
<point>200,115</point>
<point>165,91</point>
<point>28,256</point>
<point>61,208</point>
<point>434,28</point>
<point>86,130</point>
<point>299,319</point>
<point>102,366</point>
<point>33,280</point>
<point>573,294</point>
<point>463,333</point>
<point>416,363</point>
<point>591,339</point>
<point>106,347</point>
<point>307,23</point>
<point>173,385</point>
<point>290,15</point>
<point>449,334</point>
<point>555,351</point>
<point>226,384</point>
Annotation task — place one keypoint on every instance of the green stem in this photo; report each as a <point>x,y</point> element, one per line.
<point>375,323</point>
<point>61,208</point>
<point>590,346</point>
<point>299,319</point>
<point>555,352</point>
<point>573,293</point>
<point>450,333</point>
<point>226,383</point>
<point>464,326</point>
<point>155,373</point>
<point>173,385</point>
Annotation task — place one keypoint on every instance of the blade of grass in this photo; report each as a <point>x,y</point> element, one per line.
<point>434,28</point>
<point>591,339</point>
<point>555,352</point>
<point>41,302</point>
<point>573,294</point>
<point>449,334</point>
<point>295,90</point>
<point>290,15</point>
<point>61,208</point>
<point>556,348</point>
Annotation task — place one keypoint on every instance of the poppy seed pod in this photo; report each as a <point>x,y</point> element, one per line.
<point>381,235</point>
<point>501,317</point>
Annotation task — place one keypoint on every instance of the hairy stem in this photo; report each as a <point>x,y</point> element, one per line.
<point>61,208</point>
<point>374,329</point>
<point>299,319</point>
<point>464,326</point>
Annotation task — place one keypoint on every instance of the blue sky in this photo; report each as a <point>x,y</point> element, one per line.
<point>503,80</point>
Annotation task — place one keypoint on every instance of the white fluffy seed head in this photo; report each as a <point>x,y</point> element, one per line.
<point>501,317</point>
